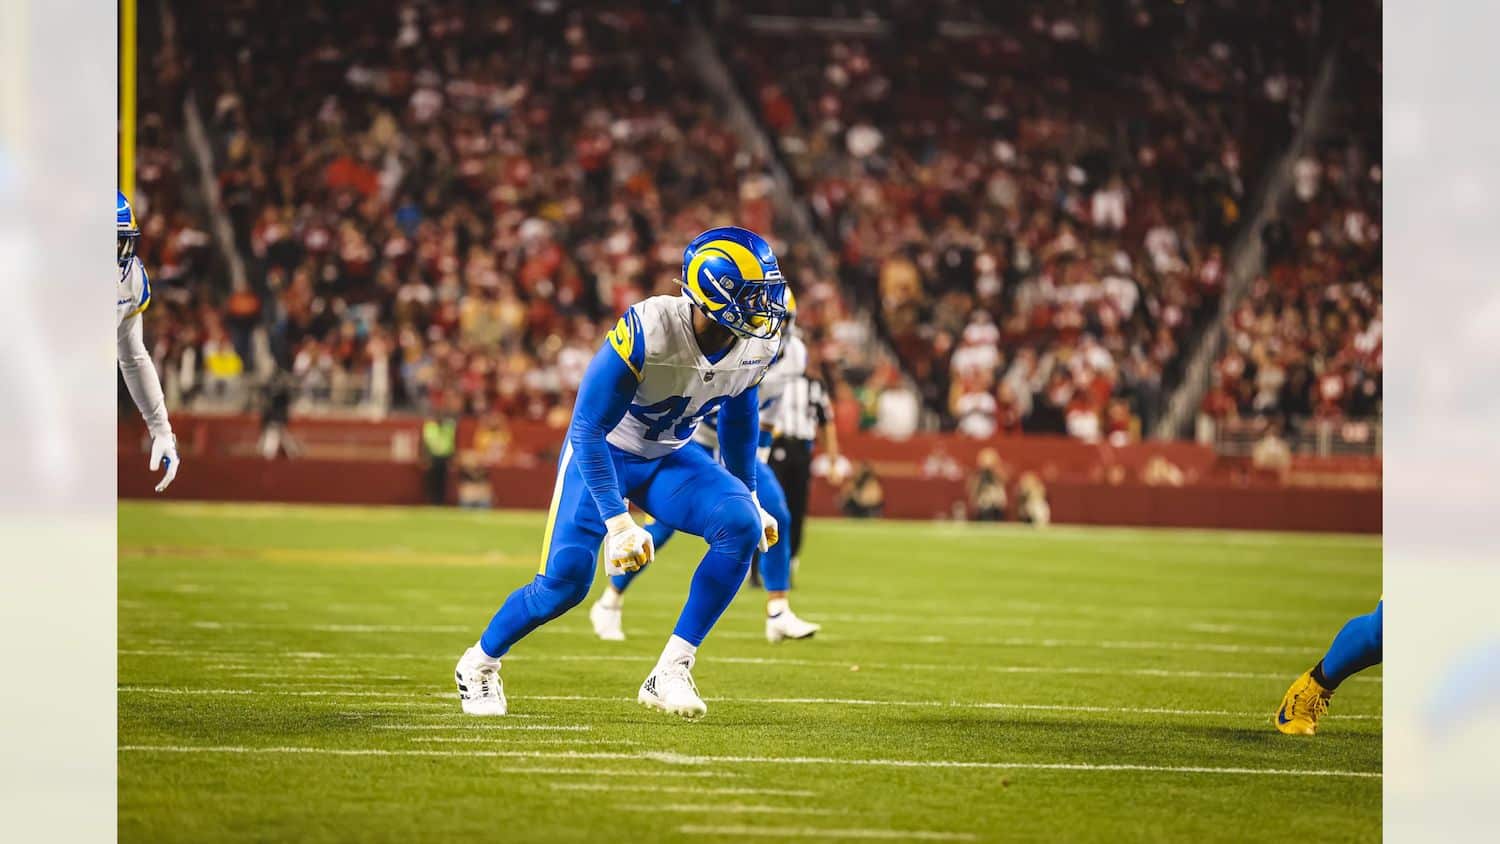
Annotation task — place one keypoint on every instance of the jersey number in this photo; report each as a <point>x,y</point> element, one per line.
<point>668,413</point>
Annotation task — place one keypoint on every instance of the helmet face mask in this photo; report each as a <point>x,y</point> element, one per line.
<point>125,247</point>
<point>127,232</point>
<point>732,276</point>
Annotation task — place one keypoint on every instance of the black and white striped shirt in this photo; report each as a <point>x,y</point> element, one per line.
<point>805,408</point>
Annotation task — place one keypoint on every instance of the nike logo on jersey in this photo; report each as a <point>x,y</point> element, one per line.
<point>130,301</point>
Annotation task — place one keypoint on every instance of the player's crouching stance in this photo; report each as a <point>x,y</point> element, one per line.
<point>668,363</point>
<point>132,298</point>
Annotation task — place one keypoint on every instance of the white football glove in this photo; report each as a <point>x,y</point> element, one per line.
<point>628,546</point>
<point>164,455</point>
<point>769,530</point>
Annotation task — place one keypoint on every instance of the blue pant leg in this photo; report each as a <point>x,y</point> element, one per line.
<point>693,493</point>
<point>570,552</point>
<point>775,564</point>
<point>1359,645</point>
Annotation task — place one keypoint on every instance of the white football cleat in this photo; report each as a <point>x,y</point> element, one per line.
<point>670,688</point>
<point>786,625</point>
<point>607,622</point>
<point>479,687</point>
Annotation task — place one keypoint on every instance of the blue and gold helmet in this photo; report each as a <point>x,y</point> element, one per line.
<point>127,232</point>
<point>732,276</point>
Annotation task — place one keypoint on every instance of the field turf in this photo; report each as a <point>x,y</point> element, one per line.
<point>285,674</point>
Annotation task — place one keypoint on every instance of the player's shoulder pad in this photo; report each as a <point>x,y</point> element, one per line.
<point>794,354</point>
<point>628,339</point>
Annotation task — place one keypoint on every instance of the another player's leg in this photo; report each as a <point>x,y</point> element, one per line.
<point>569,553</point>
<point>776,565</point>
<point>1358,645</point>
<point>699,496</point>
<point>607,613</point>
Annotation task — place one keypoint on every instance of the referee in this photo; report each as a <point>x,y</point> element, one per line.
<point>806,415</point>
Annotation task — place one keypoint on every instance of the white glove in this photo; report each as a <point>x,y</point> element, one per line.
<point>769,530</point>
<point>164,455</point>
<point>628,546</point>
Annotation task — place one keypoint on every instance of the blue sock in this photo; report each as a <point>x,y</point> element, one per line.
<point>733,534</point>
<point>1359,645</point>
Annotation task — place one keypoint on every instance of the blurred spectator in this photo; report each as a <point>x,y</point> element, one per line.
<point>1272,453</point>
<point>439,440</point>
<point>1159,471</point>
<point>491,439</point>
<point>276,402</point>
<point>474,490</point>
<point>940,464</point>
<point>1033,507</point>
<point>864,497</point>
<point>987,495</point>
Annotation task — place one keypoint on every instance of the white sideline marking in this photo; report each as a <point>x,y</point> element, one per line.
<point>954,704</point>
<point>527,741</point>
<point>1005,641</point>
<point>742,660</point>
<point>824,832</point>
<point>681,789</point>
<point>486,725</point>
<point>727,809</point>
<point>752,760</point>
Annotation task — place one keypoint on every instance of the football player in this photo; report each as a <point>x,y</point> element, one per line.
<point>1358,645</point>
<point>775,565</point>
<point>132,298</point>
<point>669,362</point>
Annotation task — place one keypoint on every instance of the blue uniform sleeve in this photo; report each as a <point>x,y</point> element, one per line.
<point>603,398</point>
<point>739,428</point>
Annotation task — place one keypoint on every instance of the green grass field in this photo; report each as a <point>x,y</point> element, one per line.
<point>286,675</point>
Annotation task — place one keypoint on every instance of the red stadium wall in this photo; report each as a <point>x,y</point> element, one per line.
<point>375,463</point>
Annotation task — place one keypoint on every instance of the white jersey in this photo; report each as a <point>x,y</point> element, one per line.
<point>132,296</point>
<point>678,385</point>
<point>132,291</point>
<point>788,364</point>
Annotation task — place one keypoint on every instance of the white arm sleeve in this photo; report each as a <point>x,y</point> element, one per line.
<point>140,376</point>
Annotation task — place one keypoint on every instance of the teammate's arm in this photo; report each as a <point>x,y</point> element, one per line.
<point>145,390</point>
<point>739,433</point>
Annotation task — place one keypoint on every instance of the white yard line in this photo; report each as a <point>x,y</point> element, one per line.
<point>942,704</point>
<point>724,809</point>
<point>731,831</point>
<point>526,741</point>
<point>679,759</point>
<point>489,726</point>
<point>1004,641</point>
<point>651,788</point>
<point>968,667</point>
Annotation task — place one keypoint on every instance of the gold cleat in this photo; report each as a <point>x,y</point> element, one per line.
<point>1303,704</point>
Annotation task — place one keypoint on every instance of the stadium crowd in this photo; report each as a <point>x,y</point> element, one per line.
<point>1306,343</point>
<point>1037,210</point>
<point>440,205</point>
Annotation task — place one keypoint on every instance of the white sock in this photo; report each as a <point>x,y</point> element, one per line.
<point>776,606</point>
<point>678,649</point>
<point>612,599</point>
<point>477,655</point>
